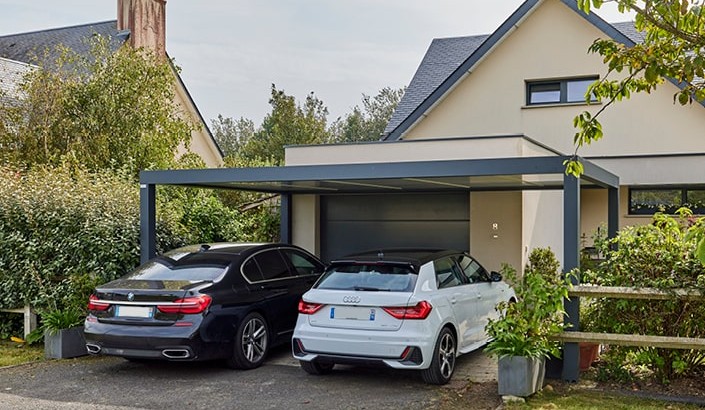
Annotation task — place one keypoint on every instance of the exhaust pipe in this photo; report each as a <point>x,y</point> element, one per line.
<point>93,349</point>
<point>176,353</point>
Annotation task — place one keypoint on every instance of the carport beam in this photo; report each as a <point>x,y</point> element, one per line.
<point>148,230</point>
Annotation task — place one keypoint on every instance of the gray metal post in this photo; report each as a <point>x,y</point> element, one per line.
<point>148,226</point>
<point>571,252</point>
<point>612,212</point>
<point>285,218</point>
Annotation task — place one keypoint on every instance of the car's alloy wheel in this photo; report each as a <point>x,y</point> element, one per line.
<point>251,343</point>
<point>443,364</point>
<point>315,367</point>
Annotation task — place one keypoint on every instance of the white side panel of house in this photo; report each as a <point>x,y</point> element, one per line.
<point>304,222</point>
<point>495,229</point>
<point>542,222</point>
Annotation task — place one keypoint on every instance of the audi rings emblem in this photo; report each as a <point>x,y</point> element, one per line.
<point>351,299</point>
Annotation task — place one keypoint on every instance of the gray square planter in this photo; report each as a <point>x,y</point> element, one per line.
<point>520,376</point>
<point>65,343</point>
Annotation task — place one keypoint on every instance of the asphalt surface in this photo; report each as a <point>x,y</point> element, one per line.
<point>109,383</point>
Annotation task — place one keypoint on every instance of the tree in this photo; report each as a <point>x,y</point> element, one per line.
<point>232,134</point>
<point>672,48</point>
<point>368,123</point>
<point>111,109</point>
<point>288,124</point>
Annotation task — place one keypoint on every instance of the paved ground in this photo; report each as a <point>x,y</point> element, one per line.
<point>104,383</point>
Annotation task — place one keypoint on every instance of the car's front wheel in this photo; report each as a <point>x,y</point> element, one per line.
<point>315,367</point>
<point>443,364</point>
<point>251,343</point>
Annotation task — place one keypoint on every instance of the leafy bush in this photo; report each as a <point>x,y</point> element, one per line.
<point>660,255</point>
<point>62,230</point>
<point>525,327</point>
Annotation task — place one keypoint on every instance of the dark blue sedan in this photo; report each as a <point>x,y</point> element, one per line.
<point>213,301</point>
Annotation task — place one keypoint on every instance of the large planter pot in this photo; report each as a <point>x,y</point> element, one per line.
<point>65,343</point>
<point>520,376</point>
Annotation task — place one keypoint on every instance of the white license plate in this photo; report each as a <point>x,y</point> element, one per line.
<point>352,313</point>
<point>133,311</point>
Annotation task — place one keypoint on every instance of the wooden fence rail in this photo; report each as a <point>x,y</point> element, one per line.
<point>668,342</point>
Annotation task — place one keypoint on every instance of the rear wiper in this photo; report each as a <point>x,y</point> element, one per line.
<point>371,289</point>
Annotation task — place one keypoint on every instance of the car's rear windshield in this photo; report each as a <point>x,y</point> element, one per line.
<point>368,277</point>
<point>193,270</point>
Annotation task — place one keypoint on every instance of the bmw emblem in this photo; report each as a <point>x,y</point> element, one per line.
<point>130,296</point>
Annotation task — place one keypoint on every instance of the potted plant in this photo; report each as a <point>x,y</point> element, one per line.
<point>521,337</point>
<point>63,333</point>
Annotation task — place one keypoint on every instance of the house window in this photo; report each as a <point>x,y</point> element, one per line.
<point>667,200</point>
<point>558,91</point>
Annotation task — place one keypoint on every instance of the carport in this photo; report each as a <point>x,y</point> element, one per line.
<point>466,175</point>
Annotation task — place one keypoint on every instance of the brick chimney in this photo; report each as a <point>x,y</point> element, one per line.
<point>146,20</point>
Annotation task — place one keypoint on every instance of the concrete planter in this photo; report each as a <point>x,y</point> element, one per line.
<point>520,376</point>
<point>65,343</point>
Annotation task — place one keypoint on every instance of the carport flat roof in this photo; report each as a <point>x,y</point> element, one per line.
<point>545,172</point>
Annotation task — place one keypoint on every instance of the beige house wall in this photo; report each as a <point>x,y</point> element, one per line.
<point>495,229</point>
<point>201,142</point>
<point>305,217</point>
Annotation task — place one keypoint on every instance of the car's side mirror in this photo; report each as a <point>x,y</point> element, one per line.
<point>495,276</point>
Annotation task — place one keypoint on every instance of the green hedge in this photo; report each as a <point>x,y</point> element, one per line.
<point>63,230</point>
<point>659,255</point>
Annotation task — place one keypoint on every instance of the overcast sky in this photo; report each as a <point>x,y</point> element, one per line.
<point>231,51</point>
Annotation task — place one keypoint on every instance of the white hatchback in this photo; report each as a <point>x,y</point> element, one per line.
<point>403,308</point>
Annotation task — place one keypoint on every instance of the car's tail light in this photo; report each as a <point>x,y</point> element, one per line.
<point>188,306</point>
<point>96,304</point>
<point>419,311</point>
<point>309,308</point>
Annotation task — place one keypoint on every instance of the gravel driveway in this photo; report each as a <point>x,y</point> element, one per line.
<point>113,383</point>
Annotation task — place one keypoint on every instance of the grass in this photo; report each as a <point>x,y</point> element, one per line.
<point>12,353</point>
<point>595,400</point>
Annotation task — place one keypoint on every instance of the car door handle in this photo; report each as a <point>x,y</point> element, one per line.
<point>453,301</point>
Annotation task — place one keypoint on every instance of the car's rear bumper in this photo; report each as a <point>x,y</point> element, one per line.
<point>411,347</point>
<point>150,342</point>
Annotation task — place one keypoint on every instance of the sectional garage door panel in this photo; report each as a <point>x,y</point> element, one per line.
<point>360,222</point>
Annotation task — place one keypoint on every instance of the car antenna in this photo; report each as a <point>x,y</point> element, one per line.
<point>205,247</point>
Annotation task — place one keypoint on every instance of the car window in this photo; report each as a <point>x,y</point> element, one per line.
<point>368,277</point>
<point>303,264</point>
<point>472,270</point>
<point>251,271</point>
<point>197,268</point>
<point>447,273</point>
<point>272,265</point>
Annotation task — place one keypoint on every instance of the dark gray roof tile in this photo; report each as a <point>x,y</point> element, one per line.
<point>442,58</point>
<point>29,47</point>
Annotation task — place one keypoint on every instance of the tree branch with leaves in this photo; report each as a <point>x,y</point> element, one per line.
<point>673,37</point>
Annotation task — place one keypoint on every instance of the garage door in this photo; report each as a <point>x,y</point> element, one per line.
<point>353,223</point>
